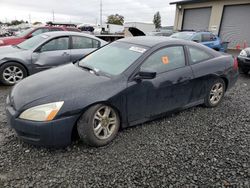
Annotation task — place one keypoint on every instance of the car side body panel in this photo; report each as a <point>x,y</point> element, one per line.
<point>136,101</point>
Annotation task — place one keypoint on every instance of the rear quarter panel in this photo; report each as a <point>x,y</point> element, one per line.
<point>207,71</point>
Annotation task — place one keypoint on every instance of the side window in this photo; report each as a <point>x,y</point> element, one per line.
<point>55,29</point>
<point>206,37</point>
<point>197,55</point>
<point>61,43</point>
<point>39,31</point>
<point>197,38</point>
<point>166,59</point>
<point>81,42</point>
<point>96,43</point>
<point>72,29</point>
<point>212,37</point>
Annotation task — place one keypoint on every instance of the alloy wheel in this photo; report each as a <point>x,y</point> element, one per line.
<point>216,93</point>
<point>13,74</point>
<point>105,122</point>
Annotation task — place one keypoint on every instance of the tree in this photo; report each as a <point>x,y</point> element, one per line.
<point>116,19</point>
<point>157,20</point>
<point>16,22</point>
<point>37,23</point>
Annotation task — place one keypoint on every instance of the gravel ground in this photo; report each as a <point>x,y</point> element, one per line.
<point>198,147</point>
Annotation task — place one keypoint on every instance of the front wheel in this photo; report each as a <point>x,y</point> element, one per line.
<point>99,125</point>
<point>245,71</point>
<point>12,73</point>
<point>215,93</point>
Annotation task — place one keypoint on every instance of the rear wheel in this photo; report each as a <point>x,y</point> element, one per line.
<point>215,93</point>
<point>12,73</point>
<point>99,125</point>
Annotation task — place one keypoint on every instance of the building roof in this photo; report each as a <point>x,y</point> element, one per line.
<point>187,1</point>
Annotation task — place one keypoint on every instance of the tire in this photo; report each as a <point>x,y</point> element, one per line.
<point>215,94</point>
<point>245,71</point>
<point>94,127</point>
<point>12,73</point>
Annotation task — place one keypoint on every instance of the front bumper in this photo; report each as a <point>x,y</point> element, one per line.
<point>56,133</point>
<point>244,62</point>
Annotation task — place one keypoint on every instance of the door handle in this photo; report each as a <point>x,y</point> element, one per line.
<point>65,54</point>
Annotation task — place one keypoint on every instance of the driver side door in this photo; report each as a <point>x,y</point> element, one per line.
<point>169,90</point>
<point>51,54</point>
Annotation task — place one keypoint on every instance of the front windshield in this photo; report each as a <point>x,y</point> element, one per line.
<point>183,35</point>
<point>114,58</point>
<point>32,42</point>
<point>25,32</point>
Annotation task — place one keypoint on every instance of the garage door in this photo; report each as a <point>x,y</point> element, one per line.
<point>235,26</point>
<point>196,19</point>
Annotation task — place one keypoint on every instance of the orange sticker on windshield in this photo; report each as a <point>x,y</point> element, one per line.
<point>165,60</point>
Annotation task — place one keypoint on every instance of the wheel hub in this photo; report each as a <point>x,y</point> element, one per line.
<point>105,122</point>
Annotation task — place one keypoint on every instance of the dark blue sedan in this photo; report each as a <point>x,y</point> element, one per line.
<point>125,83</point>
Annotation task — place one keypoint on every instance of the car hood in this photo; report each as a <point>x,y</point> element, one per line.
<point>9,50</point>
<point>69,83</point>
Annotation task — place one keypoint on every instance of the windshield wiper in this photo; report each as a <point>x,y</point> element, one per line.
<point>89,68</point>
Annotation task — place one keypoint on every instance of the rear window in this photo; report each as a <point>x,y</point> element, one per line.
<point>198,55</point>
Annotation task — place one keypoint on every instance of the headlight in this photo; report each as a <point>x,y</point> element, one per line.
<point>45,112</point>
<point>243,53</point>
<point>1,42</point>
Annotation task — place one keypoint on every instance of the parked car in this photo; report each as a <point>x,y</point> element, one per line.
<point>127,82</point>
<point>26,34</point>
<point>244,60</point>
<point>165,33</point>
<point>206,38</point>
<point>42,52</point>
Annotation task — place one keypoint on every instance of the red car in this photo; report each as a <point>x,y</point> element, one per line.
<point>31,33</point>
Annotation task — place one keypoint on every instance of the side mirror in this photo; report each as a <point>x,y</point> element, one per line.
<point>196,41</point>
<point>38,50</point>
<point>29,36</point>
<point>145,74</point>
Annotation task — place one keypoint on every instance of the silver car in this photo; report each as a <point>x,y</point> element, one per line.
<point>42,52</point>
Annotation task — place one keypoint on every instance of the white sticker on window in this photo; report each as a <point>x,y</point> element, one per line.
<point>137,49</point>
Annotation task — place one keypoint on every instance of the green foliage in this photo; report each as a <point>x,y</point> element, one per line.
<point>15,22</point>
<point>157,20</point>
<point>37,23</point>
<point>115,19</point>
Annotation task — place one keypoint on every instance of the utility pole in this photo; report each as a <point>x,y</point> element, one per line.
<point>29,19</point>
<point>53,15</point>
<point>101,13</point>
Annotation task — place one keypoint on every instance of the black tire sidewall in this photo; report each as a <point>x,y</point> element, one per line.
<point>86,131</point>
<point>4,66</point>
<point>207,99</point>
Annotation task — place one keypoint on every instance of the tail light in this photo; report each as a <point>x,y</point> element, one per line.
<point>236,65</point>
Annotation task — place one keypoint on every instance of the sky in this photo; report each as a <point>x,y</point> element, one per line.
<point>85,11</point>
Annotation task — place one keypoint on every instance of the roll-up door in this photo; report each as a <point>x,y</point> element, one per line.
<point>196,19</point>
<point>235,25</point>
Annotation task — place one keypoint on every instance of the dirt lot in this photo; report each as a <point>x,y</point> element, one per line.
<point>196,147</point>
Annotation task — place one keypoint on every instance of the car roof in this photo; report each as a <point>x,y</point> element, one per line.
<point>151,41</point>
<point>62,33</point>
